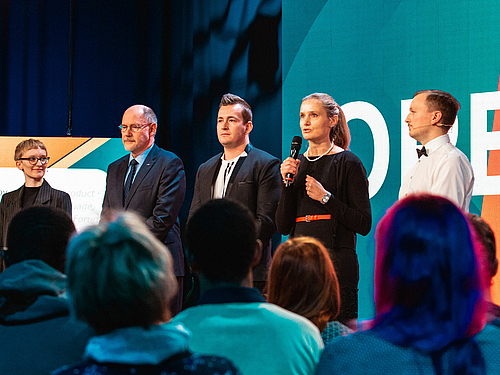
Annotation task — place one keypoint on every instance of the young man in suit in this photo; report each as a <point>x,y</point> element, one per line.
<point>241,173</point>
<point>151,182</point>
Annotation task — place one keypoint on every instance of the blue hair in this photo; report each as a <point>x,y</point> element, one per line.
<point>428,284</point>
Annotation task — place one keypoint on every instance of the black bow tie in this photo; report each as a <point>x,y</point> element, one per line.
<point>421,152</point>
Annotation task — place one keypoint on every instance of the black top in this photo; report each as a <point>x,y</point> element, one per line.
<point>344,176</point>
<point>29,196</point>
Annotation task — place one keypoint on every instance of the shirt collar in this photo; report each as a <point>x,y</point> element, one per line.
<point>242,155</point>
<point>434,144</point>
<point>230,294</point>
<point>140,158</point>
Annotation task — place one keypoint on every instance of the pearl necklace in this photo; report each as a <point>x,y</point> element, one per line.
<point>306,154</point>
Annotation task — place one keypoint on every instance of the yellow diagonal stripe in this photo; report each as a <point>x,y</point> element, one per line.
<point>79,153</point>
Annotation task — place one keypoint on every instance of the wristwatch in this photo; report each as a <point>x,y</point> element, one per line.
<point>326,197</point>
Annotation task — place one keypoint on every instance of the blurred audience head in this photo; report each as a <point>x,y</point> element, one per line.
<point>429,288</point>
<point>120,275</point>
<point>487,238</point>
<point>302,279</point>
<point>39,232</point>
<point>221,241</point>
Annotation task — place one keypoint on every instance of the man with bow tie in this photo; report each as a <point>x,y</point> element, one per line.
<point>441,169</point>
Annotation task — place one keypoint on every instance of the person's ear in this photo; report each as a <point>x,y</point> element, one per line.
<point>258,253</point>
<point>436,117</point>
<point>334,121</point>
<point>249,126</point>
<point>152,129</point>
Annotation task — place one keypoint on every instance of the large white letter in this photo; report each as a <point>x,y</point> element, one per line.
<point>371,115</point>
<point>482,141</point>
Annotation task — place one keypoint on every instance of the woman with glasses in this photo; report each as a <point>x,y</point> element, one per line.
<point>31,158</point>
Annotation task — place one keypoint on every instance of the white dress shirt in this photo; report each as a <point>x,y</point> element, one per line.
<point>225,172</point>
<point>446,171</point>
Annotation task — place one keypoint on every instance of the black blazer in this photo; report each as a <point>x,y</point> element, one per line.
<point>156,195</point>
<point>255,183</point>
<point>11,205</point>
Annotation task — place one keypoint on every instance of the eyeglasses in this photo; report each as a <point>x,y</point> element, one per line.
<point>134,127</point>
<point>34,160</point>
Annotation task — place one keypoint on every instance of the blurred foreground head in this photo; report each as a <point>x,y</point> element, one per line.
<point>39,232</point>
<point>302,280</point>
<point>429,278</point>
<point>222,240</point>
<point>120,275</point>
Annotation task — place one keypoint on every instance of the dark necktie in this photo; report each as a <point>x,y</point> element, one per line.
<point>130,178</point>
<point>421,152</point>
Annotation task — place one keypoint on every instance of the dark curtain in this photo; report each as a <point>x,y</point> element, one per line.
<point>178,57</point>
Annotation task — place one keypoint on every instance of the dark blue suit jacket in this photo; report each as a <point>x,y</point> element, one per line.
<point>156,194</point>
<point>255,183</point>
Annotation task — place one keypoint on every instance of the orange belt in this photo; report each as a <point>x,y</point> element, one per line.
<point>309,218</point>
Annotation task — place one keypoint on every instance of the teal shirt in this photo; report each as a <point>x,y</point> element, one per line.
<point>258,337</point>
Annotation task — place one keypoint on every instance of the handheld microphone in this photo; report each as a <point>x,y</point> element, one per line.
<point>294,153</point>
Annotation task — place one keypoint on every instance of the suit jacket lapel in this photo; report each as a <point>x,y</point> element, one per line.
<point>214,172</point>
<point>43,196</point>
<point>121,173</point>
<point>15,203</point>
<point>143,171</point>
<point>236,169</point>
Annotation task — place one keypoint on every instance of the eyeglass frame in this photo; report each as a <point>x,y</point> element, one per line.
<point>137,127</point>
<point>29,160</point>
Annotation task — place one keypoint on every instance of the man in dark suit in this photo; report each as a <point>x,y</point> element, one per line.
<point>241,173</point>
<point>151,182</point>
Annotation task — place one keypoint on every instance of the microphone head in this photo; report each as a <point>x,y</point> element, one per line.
<point>297,143</point>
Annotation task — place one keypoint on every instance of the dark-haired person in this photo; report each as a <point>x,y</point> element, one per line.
<point>31,157</point>
<point>150,182</point>
<point>329,197</point>
<point>232,319</point>
<point>441,169</point>
<point>429,299</point>
<point>487,238</point>
<point>318,299</point>
<point>121,281</point>
<point>241,173</point>
<point>36,333</point>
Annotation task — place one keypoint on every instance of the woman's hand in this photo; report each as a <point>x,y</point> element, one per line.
<point>290,165</point>
<point>314,189</point>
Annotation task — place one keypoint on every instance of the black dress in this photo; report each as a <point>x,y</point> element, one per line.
<point>344,176</point>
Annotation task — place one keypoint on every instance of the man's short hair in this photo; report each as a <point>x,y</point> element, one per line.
<point>26,145</point>
<point>120,275</point>
<point>149,115</point>
<point>221,240</point>
<point>444,102</point>
<point>39,232</point>
<point>231,99</point>
<point>487,238</point>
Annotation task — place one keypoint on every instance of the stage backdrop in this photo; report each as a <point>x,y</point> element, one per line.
<point>372,57</point>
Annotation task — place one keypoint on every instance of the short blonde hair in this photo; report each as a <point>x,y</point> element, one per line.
<point>26,145</point>
<point>119,275</point>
